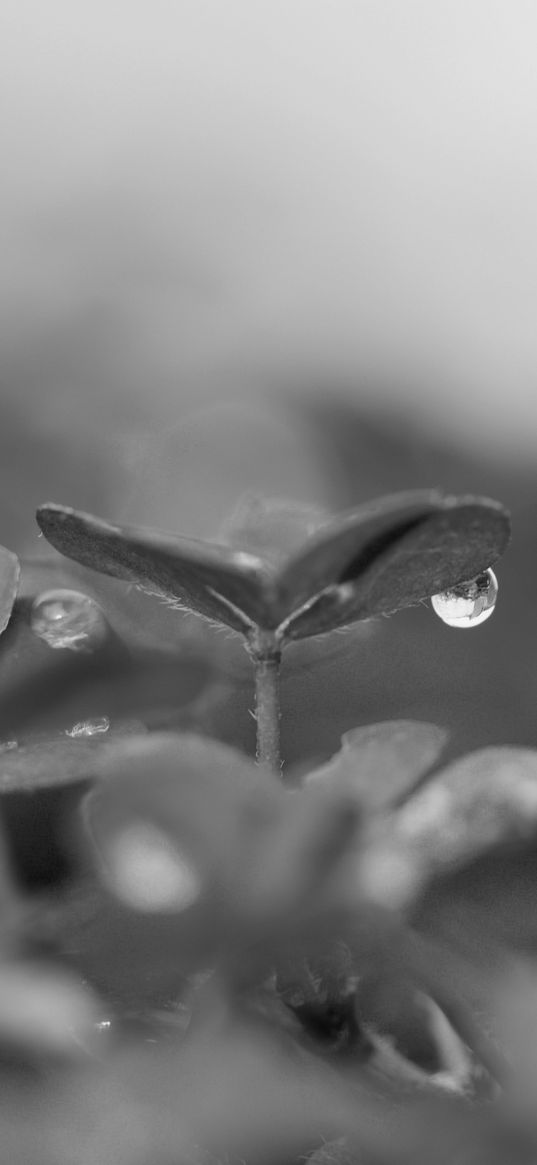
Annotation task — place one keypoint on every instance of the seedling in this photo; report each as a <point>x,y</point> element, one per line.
<point>374,560</point>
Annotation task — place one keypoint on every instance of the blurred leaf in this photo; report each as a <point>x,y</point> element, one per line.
<point>178,807</point>
<point>391,1005</point>
<point>40,787</point>
<point>9,579</point>
<point>322,969</point>
<point>483,800</point>
<point>45,1012</point>
<point>191,831</point>
<point>247,1093</point>
<point>201,794</point>
<point>379,764</point>
<point>485,903</point>
<point>61,761</point>
<point>515,1018</point>
<point>294,886</point>
<point>9,905</point>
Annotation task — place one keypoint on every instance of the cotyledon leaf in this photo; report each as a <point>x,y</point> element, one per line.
<point>455,541</point>
<point>386,554</point>
<point>342,548</point>
<point>216,581</point>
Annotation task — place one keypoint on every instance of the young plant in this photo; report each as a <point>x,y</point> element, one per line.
<point>313,935</point>
<point>287,573</point>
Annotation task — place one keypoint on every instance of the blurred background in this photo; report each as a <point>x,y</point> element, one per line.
<point>289,247</point>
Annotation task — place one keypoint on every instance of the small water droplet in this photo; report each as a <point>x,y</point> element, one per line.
<point>68,619</point>
<point>469,603</point>
<point>9,745</point>
<point>89,727</point>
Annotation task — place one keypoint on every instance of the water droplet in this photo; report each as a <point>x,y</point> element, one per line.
<point>148,872</point>
<point>68,619</point>
<point>89,727</point>
<point>469,603</point>
<point>9,745</point>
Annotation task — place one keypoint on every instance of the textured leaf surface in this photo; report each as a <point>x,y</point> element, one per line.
<point>405,551</point>
<point>342,549</point>
<point>380,763</point>
<point>387,554</point>
<point>215,581</point>
<point>9,580</point>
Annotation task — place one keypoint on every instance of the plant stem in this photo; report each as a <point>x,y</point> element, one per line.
<point>267,659</point>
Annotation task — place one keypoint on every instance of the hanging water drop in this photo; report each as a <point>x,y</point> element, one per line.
<point>469,603</point>
<point>68,619</point>
<point>89,727</point>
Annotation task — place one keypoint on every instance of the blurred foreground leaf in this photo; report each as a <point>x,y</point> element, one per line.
<point>485,801</point>
<point>57,762</point>
<point>45,1013</point>
<point>173,828</point>
<point>380,763</point>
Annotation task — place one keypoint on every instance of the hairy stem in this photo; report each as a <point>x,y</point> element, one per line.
<point>267,660</point>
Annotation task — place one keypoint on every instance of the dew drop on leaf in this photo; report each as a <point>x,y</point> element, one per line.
<point>68,619</point>
<point>469,603</point>
<point>89,727</point>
